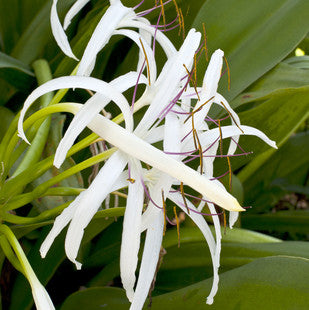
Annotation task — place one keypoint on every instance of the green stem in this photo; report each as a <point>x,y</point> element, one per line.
<point>34,152</point>
<point>25,266</point>
<point>13,186</point>
<point>7,250</point>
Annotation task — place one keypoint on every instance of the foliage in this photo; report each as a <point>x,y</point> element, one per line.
<point>270,90</point>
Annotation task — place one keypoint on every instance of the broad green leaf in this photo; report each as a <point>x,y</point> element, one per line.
<point>299,62</point>
<point>35,40</point>
<point>15,15</point>
<point>15,72</point>
<point>278,116</point>
<point>282,221</point>
<point>254,35</point>
<point>285,75</point>
<point>193,234</point>
<point>267,283</point>
<point>6,117</point>
<point>281,167</point>
<point>110,298</point>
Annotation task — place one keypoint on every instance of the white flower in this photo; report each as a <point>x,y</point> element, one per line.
<point>135,146</point>
<point>116,17</point>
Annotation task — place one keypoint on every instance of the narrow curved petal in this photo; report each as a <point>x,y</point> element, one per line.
<point>161,38</point>
<point>101,35</point>
<point>150,256</point>
<point>60,222</point>
<point>149,53</point>
<point>59,33</point>
<point>131,232</point>
<point>92,107</point>
<point>210,136</point>
<point>214,247</point>
<point>40,296</point>
<point>169,80</point>
<point>75,9</point>
<point>91,201</point>
<point>136,147</point>
<point>76,82</point>
<point>233,217</point>
<point>198,219</point>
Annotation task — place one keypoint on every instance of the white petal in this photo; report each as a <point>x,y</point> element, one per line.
<point>216,265</point>
<point>40,296</point>
<point>76,7</point>
<point>90,203</point>
<point>136,147</point>
<point>209,137</point>
<point>213,72</point>
<point>233,217</point>
<point>60,222</point>
<point>149,260</point>
<point>75,82</point>
<point>168,82</point>
<point>198,219</point>
<point>92,107</point>
<point>101,35</point>
<point>131,232</point>
<point>149,53</point>
<point>59,33</point>
<point>162,39</point>
<point>148,38</point>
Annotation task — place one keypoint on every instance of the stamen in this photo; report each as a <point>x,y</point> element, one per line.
<point>138,5</point>
<point>194,82</point>
<point>199,108</point>
<point>221,144</point>
<point>224,221</point>
<point>183,196</point>
<point>147,62</point>
<point>188,195</point>
<point>230,173</point>
<point>131,180</point>
<point>182,24</point>
<point>164,212</point>
<point>177,223</point>
<point>163,13</point>
<point>231,116</point>
<point>205,43</point>
<point>221,176</point>
<point>143,13</point>
<point>136,85</point>
<point>148,195</point>
<point>228,74</point>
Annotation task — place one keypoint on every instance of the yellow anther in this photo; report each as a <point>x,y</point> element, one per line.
<point>177,224</point>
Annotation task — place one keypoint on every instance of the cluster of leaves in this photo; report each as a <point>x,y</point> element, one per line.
<point>269,89</point>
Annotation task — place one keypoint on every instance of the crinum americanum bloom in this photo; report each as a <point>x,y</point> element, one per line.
<point>176,115</point>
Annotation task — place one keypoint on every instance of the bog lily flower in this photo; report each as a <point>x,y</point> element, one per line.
<point>116,18</point>
<point>134,144</point>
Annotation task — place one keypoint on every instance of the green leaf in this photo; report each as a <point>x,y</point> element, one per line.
<point>45,268</point>
<point>282,221</point>
<point>194,261</point>
<point>278,116</point>
<point>15,72</point>
<point>285,75</point>
<point>281,167</point>
<point>75,181</point>
<point>6,118</point>
<point>110,298</point>
<point>193,234</point>
<point>245,31</point>
<point>35,40</point>
<point>267,283</point>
